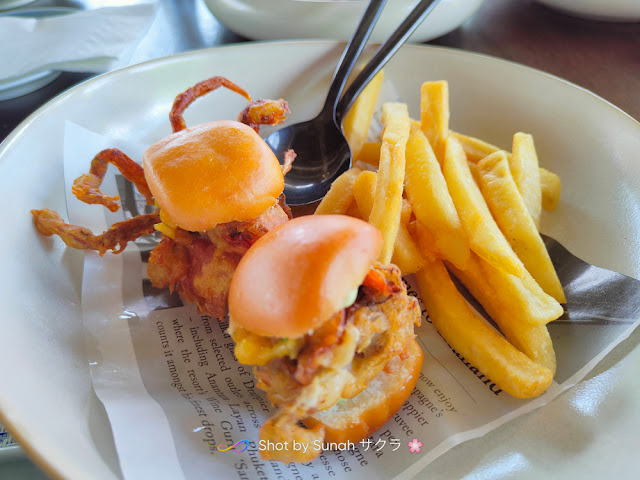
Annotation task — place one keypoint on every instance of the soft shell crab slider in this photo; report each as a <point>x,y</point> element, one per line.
<point>329,330</point>
<point>217,187</point>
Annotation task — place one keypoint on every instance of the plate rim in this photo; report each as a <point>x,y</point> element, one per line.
<point>62,96</point>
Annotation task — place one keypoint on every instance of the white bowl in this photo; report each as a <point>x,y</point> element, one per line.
<point>7,4</point>
<point>609,10</point>
<point>276,19</point>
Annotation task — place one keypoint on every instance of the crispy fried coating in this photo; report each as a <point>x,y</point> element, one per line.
<point>264,112</point>
<point>246,233</point>
<point>200,266</point>
<point>200,270</point>
<point>185,99</point>
<point>48,223</point>
<point>87,187</point>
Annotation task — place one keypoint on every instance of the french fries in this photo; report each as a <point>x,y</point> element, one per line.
<point>406,254</point>
<point>369,154</point>
<point>385,214</point>
<point>473,209</point>
<point>484,235</point>
<point>486,283</point>
<point>523,163</point>
<point>477,149</point>
<point>512,216</point>
<point>471,336</point>
<point>340,195</point>
<point>353,211</point>
<point>357,120</point>
<point>364,191</point>
<point>523,299</point>
<point>405,212</point>
<point>434,115</point>
<point>427,191</point>
<point>550,186</point>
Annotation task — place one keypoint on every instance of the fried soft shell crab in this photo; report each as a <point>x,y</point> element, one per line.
<point>217,187</point>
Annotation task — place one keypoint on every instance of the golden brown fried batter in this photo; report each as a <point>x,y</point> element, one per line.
<point>246,233</point>
<point>200,266</point>
<point>264,112</point>
<point>48,223</point>
<point>87,187</point>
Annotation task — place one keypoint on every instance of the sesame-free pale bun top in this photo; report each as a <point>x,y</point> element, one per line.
<point>216,172</point>
<point>300,273</point>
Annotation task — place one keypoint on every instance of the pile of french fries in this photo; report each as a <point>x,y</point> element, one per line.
<point>449,204</point>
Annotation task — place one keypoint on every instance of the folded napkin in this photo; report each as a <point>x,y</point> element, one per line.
<point>88,41</point>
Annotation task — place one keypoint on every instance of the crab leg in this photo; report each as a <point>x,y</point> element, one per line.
<point>87,187</point>
<point>185,99</point>
<point>48,223</point>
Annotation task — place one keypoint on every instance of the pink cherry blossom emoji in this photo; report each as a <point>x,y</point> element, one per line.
<point>414,446</point>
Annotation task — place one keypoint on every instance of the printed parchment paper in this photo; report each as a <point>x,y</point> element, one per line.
<point>174,392</point>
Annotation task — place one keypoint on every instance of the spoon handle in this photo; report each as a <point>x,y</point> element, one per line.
<point>384,53</point>
<point>350,55</point>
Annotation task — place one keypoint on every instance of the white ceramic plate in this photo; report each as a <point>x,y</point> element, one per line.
<point>46,399</point>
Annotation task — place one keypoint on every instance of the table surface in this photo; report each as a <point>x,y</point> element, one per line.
<point>601,57</point>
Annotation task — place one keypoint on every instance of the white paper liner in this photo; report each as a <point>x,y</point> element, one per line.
<point>174,392</point>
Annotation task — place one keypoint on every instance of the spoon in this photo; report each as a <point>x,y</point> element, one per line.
<point>323,153</point>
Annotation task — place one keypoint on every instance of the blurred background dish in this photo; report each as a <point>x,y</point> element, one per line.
<point>277,19</point>
<point>6,4</point>
<point>610,10</point>
<point>18,86</point>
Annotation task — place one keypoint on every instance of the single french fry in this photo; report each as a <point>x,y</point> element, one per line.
<point>340,195</point>
<point>425,240</point>
<point>370,153</point>
<point>474,148</point>
<point>473,167</point>
<point>511,312</point>
<point>473,337</point>
<point>353,211</point>
<point>512,216</point>
<point>405,211</point>
<point>550,185</point>
<point>523,163</point>
<point>357,120</point>
<point>434,115</point>
<point>427,191</point>
<point>406,254</point>
<point>485,238</point>
<point>385,214</point>
<point>364,191</point>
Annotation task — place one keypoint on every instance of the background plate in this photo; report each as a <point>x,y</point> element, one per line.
<point>46,399</point>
